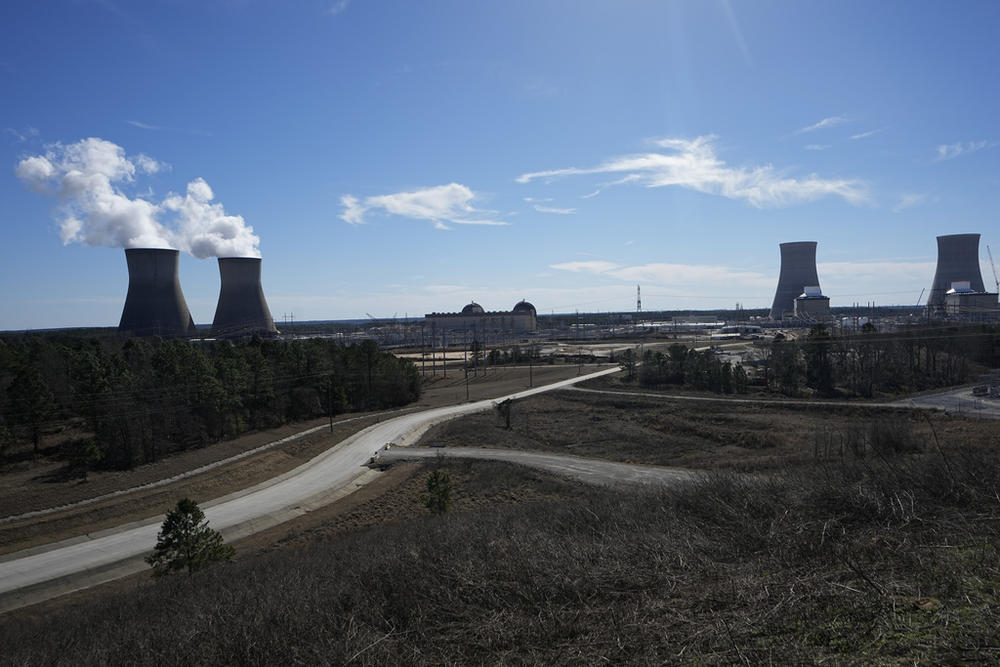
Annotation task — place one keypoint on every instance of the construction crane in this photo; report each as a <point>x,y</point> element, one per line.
<point>993,266</point>
<point>920,298</point>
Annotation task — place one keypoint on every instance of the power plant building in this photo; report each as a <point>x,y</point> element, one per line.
<point>957,262</point>
<point>962,302</point>
<point>811,305</point>
<point>154,305</point>
<point>798,271</point>
<point>242,309</point>
<point>521,318</point>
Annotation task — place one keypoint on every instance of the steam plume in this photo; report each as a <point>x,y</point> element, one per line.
<point>88,179</point>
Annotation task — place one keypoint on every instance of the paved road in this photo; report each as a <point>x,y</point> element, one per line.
<point>952,401</point>
<point>904,405</point>
<point>956,401</point>
<point>44,572</point>
<point>592,471</point>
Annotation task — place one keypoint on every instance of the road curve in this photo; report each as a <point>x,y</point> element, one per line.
<point>45,572</point>
<point>591,471</point>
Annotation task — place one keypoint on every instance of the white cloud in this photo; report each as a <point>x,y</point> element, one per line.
<point>865,135</point>
<point>909,200</point>
<point>553,209</point>
<point>23,135</point>
<point>693,164</point>
<point>952,151</point>
<point>337,7</point>
<point>149,165</point>
<point>595,266</point>
<point>89,178</point>
<point>439,205</point>
<point>823,124</point>
<point>817,147</point>
<point>204,229</point>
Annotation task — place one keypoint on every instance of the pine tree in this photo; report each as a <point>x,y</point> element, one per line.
<point>186,541</point>
<point>438,498</point>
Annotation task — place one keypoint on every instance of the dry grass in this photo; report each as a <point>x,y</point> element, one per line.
<point>876,560</point>
<point>715,436</point>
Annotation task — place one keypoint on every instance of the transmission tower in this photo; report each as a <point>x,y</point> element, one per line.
<point>638,299</point>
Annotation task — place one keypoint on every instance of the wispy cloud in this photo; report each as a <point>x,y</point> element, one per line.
<point>693,164</point>
<point>160,128</point>
<point>952,151</point>
<point>553,209</point>
<point>823,124</point>
<point>734,27</point>
<point>911,199</point>
<point>817,147</point>
<point>22,135</point>
<point>440,205</point>
<point>664,274</point>
<point>865,135</point>
<point>337,7</point>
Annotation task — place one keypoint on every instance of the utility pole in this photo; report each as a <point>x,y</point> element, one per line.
<point>329,400</point>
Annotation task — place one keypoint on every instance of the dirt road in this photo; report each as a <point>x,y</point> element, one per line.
<point>45,572</point>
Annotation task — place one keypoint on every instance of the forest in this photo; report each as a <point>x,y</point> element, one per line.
<point>119,403</point>
<point>863,364</point>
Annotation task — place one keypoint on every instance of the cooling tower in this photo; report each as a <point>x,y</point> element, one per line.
<point>798,270</point>
<point>154,305</point>
<point>242,310</point>
<point>958,260</point>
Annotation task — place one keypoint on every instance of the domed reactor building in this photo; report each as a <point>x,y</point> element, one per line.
<point>521,318</point>
<point>154,305</point>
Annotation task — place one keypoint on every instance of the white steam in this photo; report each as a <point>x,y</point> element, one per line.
<point>87,179</point>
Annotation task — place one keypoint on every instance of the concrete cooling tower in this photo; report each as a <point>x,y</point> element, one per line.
<point>958,260</point>
<point>154,305</point>
<point>242,310</point>
<point>798,271</point>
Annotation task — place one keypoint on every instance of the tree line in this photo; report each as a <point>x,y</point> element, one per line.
<point>682,366</point>
<point>132,401</point>
<point>862,364</point>
<point>870,363</point>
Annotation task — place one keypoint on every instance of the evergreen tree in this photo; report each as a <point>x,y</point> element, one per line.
<point>438,498</point>
<point>186,541</point>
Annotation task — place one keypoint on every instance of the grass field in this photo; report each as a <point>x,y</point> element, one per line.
<point>711,435</point>
<point>859,562</point>
<point>843,536</point>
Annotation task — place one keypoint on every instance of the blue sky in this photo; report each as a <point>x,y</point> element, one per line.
<point>407,157</point>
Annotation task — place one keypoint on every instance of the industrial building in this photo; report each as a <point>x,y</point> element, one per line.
<point>798,271</point>
<point>957,262</point>
<point>242,309</point>
<point>812,306</point>
<point>154,305</point>
<point>962,302</point>
<point>521,318</point>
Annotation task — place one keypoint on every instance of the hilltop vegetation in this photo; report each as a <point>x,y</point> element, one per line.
<point>873,561</point>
